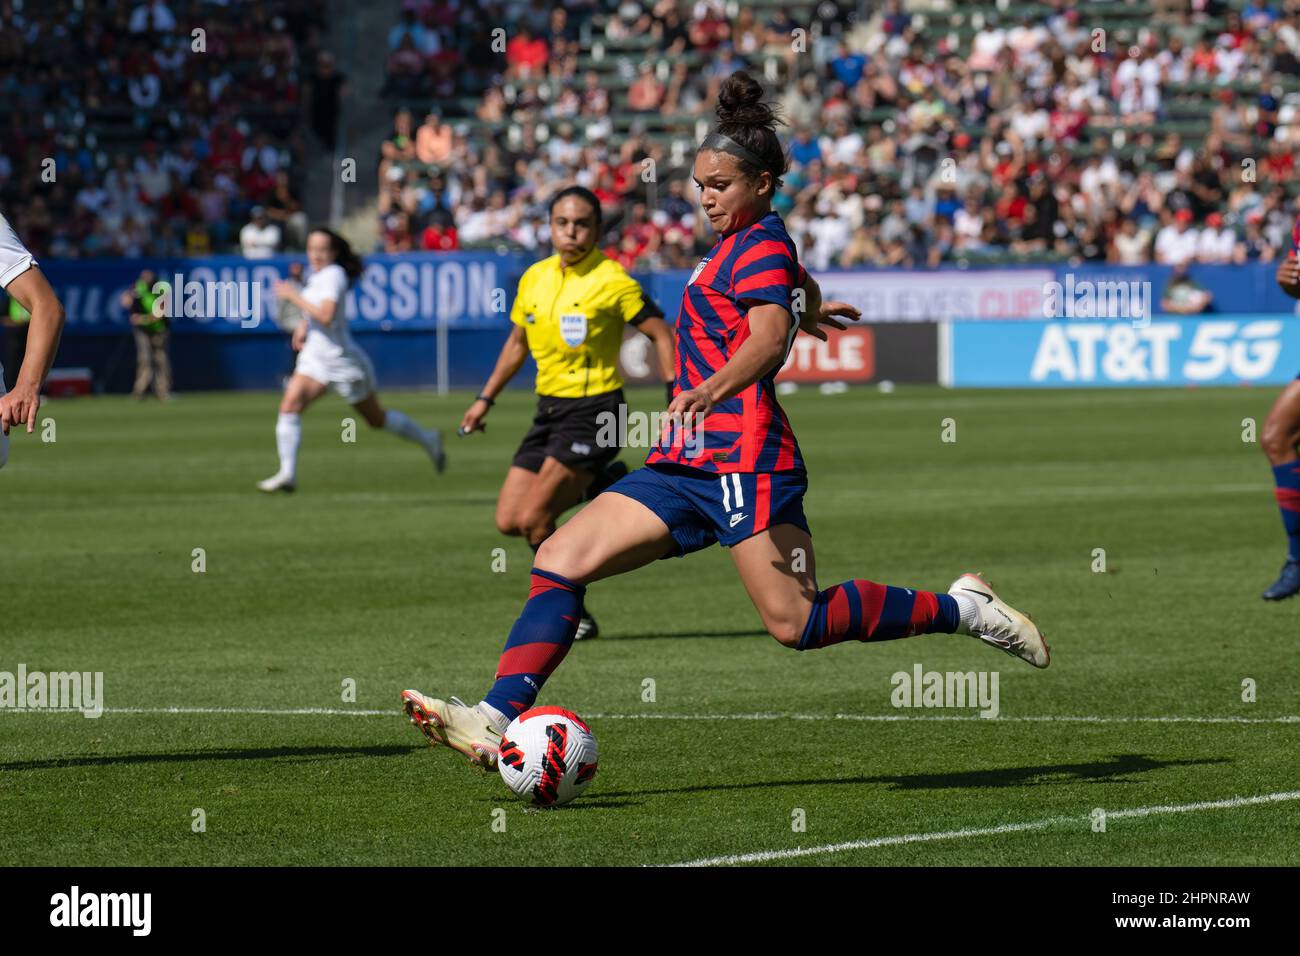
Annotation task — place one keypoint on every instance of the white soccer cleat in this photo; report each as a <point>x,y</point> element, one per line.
<point>1000,625</point>
<point>432,442</point>
<point>455,724</point>
<point>276,482</point>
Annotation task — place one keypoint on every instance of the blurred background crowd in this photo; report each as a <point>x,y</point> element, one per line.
<point>920,131</point>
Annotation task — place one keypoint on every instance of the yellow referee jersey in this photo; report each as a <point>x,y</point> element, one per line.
<point>574,320</point>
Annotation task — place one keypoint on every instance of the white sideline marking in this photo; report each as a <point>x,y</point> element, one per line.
<point>1085,819</point>
<point>870,718</point>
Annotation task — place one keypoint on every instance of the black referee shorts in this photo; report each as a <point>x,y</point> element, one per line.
<point>566,429</point>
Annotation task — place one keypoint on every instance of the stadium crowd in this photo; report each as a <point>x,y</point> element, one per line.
<point>154,127</point>
<point>1027,139</point>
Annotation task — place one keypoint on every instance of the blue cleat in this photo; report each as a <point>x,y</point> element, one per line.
<point>1287,583</point>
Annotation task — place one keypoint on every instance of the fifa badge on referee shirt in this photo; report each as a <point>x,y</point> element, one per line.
<point>573,329</point>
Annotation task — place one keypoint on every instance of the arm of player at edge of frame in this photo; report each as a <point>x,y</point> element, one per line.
<point>45,328</point>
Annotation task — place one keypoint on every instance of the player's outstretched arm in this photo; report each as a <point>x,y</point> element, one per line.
<point>34,294</point>
<point>816,313</point>
<point>513,355</point>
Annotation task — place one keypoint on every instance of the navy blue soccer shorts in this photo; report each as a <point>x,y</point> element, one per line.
<point>702,508</point>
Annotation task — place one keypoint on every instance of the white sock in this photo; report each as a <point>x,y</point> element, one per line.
<point>288,434</point>
<point>969,612</point>
<point>402,426</point>
<point>497,719</point>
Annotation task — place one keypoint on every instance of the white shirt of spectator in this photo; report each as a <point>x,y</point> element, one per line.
<point>155,15</point>
<point>1132,250</point>
<point>844,150</point>
<point>1178,68</point>
<point>144,90</point>
<point>260,242</point>
<point>330,342</point>
<point>1230,63</point>
<point>1031,124</point>
<point>14,261</point>
<point>154,180</point>
<point>1024,38</point>
<point>1174,247</point>
<point>968,226</point>
<point>1215,245</point>
<point>1095,181</point>
<point>985,47</point>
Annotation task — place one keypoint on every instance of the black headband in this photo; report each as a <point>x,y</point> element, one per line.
<point>725,144</point>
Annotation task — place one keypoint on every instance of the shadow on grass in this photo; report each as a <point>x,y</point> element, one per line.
<point>294,755</point>
<point>1117,769</point>
<point>679,634</point>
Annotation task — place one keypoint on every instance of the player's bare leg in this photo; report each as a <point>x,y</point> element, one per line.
<point>612,535</point>
<point>298,396</point>
<point>778,569</point>
<point>1278,441</point>
<point>531,503</point>
<point>403,426</point>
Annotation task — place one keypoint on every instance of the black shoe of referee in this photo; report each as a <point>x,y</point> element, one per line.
<point>588,630</point>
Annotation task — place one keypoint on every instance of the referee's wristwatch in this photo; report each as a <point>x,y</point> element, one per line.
<point>480,397</point>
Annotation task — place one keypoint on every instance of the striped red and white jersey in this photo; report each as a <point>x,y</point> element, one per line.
<point>749,432</point>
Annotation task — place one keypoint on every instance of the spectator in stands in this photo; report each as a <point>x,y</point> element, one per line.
<point>152,16</point>
<point>440,234</point>
<point>526,55</point>
<point>1216,243</point>
<point>284,208</point>
<point>646,92</point>
<point>326,91</point>
<point>1183,296</point>
<point>395,151</point>
<point>1131,245</point>
<point>1176,243</point>
<point>397,232</point>
<point>260,238</point>
<point>1254,247</point>
<point>433,140</point>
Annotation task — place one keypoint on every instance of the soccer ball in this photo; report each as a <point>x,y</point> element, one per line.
<point>548,756</point>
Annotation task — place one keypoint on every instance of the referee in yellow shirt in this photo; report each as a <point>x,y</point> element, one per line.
<point>569,311</point>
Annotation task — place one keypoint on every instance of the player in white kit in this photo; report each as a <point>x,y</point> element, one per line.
<point>21,278</point>
<point>328,356</point>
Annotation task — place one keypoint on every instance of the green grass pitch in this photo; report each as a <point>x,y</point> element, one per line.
<point>380,572</point>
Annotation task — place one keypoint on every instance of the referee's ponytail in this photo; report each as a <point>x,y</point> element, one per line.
<point>344,257</point>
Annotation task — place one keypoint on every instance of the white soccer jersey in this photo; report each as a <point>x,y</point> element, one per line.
<point>14,261</point>
<point>330,340</point>
<point>330,355</point>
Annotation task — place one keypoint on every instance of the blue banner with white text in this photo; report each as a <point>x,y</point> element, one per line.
<point>1258,349</point>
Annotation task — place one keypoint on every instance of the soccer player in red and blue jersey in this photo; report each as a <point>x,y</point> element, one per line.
<point>727,471</point>
<point>1279,440</point>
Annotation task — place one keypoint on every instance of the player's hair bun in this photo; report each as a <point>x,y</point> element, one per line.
<point>746,119</point>
<point>740,103</point>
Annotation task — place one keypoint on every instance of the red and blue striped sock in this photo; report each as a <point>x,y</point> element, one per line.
<point>1287,492</point>
<point>537,643</point>
<point>866,611</point>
